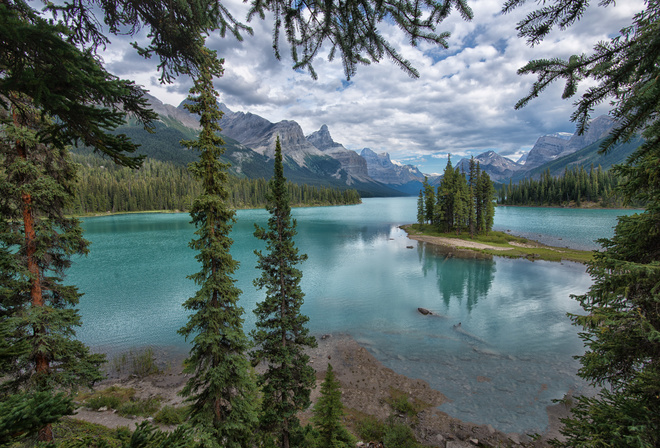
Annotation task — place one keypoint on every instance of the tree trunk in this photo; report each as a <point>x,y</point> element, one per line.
<point>36,294</point>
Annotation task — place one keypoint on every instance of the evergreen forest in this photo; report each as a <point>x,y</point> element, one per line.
<point>576,186</point>
<point>157,185</point>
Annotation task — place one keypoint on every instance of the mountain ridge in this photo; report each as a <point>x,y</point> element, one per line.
<point>319,160</point>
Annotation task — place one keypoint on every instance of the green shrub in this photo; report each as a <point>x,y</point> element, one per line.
<point>370,428</point>
<point>400,436</point>
<point>111,397</point>
<point>100,401</point>
<point>171,415</point>
<point>402,405</point>
<point>391,433</point>
<point>139,407</point>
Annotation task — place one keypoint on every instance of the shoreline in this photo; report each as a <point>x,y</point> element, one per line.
<point>155,212</point>
<point>513,247</point>
<point>366,385</point>
<point>589,206</point>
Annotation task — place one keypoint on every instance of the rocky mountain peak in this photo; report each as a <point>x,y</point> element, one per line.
<point>497,166</point>
<point>176,113</point>
<point>553,146</point>
<point>322,139</point>
<point>381,168</point>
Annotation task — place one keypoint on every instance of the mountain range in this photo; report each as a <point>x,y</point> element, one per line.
<point>316,159</point>
<point>556,152</point>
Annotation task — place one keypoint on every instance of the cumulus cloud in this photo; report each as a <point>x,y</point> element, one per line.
<point>462,104</point>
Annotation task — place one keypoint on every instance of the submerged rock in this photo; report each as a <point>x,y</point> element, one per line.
<point>424,311</point>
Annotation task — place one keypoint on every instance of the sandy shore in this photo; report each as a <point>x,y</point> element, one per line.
<point>455,242</point>
<point>366,385</point>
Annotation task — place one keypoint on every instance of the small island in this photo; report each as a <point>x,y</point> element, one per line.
<point>495,243</point>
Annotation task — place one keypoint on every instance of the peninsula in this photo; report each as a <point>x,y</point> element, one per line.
<point>495,243</point>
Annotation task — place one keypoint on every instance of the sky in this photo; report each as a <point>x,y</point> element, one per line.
<point>462,104</point>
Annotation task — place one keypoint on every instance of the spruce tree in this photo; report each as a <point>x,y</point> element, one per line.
<point>37,314</point>
<point>420,205</point>
<point>473,204</point>
<point>461,201</point>
<point>221,390</point>
<point>429,202</point>
<point>328,412</point>
<point>446,198</point>
<point>487,207</point>
<point>622,308</point>
<point>280,335</point>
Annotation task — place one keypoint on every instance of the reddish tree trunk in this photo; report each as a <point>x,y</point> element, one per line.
<point>36,294</point>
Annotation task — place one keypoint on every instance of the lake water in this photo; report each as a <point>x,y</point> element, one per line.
<point>505,362</point>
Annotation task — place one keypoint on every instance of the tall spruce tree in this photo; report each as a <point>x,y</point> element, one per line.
<point>221,390</point>
<point>446,197</point>
<point>37,314</point>
<point>473,203</point>
<point>281,335</point>
<point>420,205</point>
<point>621,327</point>
<point>429,201</point>
<point>486,194</point>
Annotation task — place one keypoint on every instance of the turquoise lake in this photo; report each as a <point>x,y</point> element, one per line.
<point>362,278</point>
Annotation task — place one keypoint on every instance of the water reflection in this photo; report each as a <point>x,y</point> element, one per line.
<point>465,276</point>
<point>366,278</point>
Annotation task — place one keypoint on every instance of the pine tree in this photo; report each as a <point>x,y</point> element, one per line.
<point>429,201</point>
<point>328,412</point>
<point>221,390</point>
<point>37,241</point>
<point>280,335</point>
<point>446,198</point>
<point>473,203</point>
<point>461,204</point>
<point>486,198</point>
<point>420,205</point>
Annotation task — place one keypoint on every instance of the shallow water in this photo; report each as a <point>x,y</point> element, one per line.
<point>508,358</point>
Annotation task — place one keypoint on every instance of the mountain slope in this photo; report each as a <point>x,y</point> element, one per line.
<point>498,167</point>
<point>354,165</point>
<point>554,146</point>
<point>584,157</point>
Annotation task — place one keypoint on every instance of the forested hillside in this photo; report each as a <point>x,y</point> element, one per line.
<point>574,187</point>
<point>106,187</point>
<point>586,157</point>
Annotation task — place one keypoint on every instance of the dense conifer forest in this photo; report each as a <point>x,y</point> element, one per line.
<point>575,187</point>
<point>105,187</point>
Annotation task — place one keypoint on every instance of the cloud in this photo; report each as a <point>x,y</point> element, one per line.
<point>463,102</point>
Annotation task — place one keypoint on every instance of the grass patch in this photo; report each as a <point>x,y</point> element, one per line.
<point>121,399</point>
<point>112,397</point>
<point>172,415</point>
<point>536,251</point>
<point>72,432</point>
<point>403,404</point>
<point>140,407</point>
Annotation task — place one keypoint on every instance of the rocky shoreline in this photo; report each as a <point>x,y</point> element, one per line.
<point>367,386</point>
